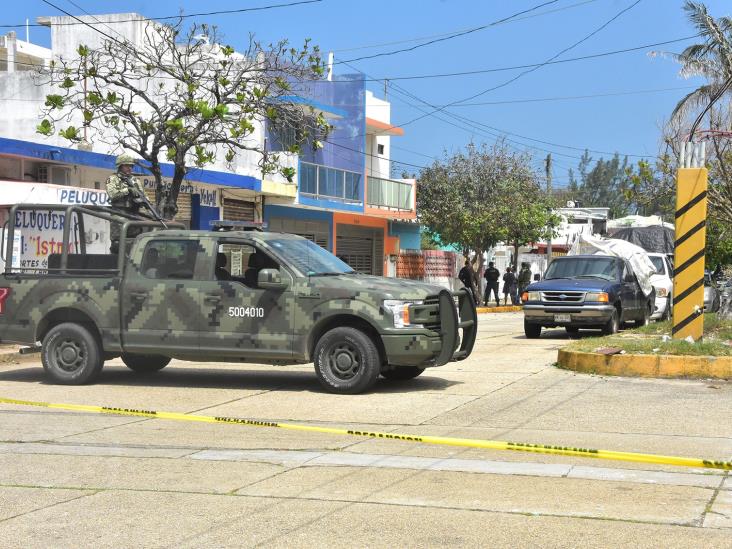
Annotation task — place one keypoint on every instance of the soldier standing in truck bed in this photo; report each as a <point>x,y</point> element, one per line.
<point>126,194</point>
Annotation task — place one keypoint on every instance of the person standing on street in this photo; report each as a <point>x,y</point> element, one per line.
<point>467,277</point>
<point>510,285</point>
<point>125,194</point>
<point>491,276</point>
<point>524,278</point>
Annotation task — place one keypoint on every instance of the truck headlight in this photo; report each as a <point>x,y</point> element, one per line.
<point>661,292</point>
<point>400,310</point>
<point>600,297</point>
<point>534,296</point>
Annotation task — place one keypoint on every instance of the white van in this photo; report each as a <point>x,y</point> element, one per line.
<point>662,281</point>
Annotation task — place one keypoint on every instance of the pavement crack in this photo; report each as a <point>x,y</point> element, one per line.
<point>90,493</point>
<point>710,504</point>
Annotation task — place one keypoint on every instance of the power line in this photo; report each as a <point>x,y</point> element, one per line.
<point>532,65</point>
<point>483,71</point>
<point>172,17</point>
<point>79,20</point>
<point>573,97</point>
<point>552,58</point>
<point>444,34</point>
<point>451,36</point>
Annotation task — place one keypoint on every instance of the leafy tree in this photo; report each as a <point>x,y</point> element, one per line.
<point>484,195</point>
<point>719,244</point>
<point>601,185</point>
<point>710,59</point>
<point>184,98</point>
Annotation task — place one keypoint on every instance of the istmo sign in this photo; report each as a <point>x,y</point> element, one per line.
<point>40,233</point>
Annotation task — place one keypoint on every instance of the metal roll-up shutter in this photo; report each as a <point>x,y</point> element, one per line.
<point>316,231</point>
<point>361,248</point>
<point>238,210</point>
<point>184,206</point>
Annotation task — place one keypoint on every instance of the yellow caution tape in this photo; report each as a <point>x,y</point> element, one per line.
<point>425,439</point>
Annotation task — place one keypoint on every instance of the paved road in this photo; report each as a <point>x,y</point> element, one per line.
<point>70,479</point>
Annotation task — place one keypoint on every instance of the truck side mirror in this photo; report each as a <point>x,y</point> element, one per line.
<point>270,279</point>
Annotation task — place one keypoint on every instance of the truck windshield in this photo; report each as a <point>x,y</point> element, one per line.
<point>583,267</point>
<point>309,258</point>
<point>657,263</point>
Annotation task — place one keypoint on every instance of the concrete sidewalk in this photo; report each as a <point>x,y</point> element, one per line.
<point>77,479</point>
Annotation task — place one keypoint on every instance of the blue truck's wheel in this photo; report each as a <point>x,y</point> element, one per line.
<point>71,354</point>
<point>613,324</point>
<point>145,364</point>
<point>402,373</point>
<point>532,331</point>
<point>347,361</point>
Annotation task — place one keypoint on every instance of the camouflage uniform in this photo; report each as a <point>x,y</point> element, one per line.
<point>125,193</point>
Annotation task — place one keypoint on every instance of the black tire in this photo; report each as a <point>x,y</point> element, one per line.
<point>572,330</point>
<point>644,320</point>
<point>402,373</point>
<point>532,331</point>
<point>347,361</point>
<point>716,305</point>
<point>613,324</point>
<point>145,364</point>
<point>71,354</point>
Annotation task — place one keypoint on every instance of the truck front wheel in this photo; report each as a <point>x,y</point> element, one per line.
<point>71,354</point>
<point>532,331</point>
<point>347,361</point>
<point>145,364</point>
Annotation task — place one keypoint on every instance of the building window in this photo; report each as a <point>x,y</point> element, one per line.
<point>330,183</point>
<point>380,148</point>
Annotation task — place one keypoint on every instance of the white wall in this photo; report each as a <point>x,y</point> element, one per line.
<point>21,96</point>
<point>378,165</point>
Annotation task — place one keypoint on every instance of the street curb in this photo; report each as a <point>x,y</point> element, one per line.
<point>503,309</point>
<point>670,366</point>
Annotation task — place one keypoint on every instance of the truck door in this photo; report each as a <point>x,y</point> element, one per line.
<point>160,305</point>
<point>631,295</point>
<point>240,319</point>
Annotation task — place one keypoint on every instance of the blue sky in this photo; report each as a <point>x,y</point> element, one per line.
<point>626,123</point>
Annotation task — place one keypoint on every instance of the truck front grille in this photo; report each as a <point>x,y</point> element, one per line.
<point>562,297</point>
<point>434,325</point>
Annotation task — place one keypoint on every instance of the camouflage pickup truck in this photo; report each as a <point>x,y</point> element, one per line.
<point>225,296</point>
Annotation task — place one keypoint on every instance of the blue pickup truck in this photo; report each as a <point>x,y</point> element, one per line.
<point>586,291</point>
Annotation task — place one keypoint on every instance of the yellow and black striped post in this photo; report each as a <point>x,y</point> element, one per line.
<point>691,233</point>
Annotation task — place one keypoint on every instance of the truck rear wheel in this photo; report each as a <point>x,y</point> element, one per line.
<point>71,354</point>
<point>402,373</point>
<point>145,364</point>
<point>347,361</point>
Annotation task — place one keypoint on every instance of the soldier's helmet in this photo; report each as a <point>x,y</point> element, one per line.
<point>124,159</point>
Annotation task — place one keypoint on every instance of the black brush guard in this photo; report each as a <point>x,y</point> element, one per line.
<point>453,318</point>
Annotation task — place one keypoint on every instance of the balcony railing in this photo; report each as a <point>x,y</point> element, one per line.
<point>330,183</point>
<point>389,194</point>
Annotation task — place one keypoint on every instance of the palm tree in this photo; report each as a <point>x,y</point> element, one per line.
<point>711,59</point>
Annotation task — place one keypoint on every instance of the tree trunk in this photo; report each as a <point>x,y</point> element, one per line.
<point>515,256</point>
<point>170,207</point>
<point>157,174</point>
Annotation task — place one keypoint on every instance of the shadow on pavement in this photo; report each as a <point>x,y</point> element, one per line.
<point>210,378</point>
<point>563,334</point>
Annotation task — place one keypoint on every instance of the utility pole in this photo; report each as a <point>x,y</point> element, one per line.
<point>549,194</point>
